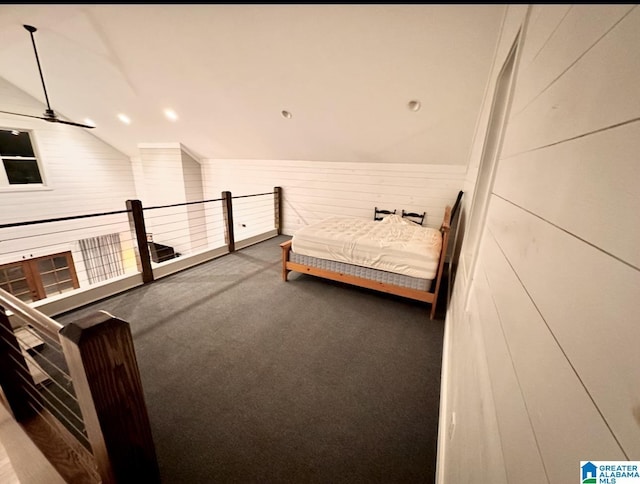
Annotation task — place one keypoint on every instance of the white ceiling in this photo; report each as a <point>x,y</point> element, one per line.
<point>345,72</point>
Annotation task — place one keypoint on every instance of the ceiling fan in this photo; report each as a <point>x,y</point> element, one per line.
<point>49,114</point>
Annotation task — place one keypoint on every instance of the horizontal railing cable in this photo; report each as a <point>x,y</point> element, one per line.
<point>25,344</point>
<point>176,215</point>
<point>55,382</point>
<point>61,219</point>
<point>181,204</point>
<point>30,386</point>
<point>56,232</point>
<point>252,195</point>
<point>81,434</point>
<point>34,248</point>
<point>74,413</point>
<point>53,343</point>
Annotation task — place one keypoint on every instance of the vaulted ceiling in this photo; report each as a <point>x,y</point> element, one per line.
<point>346,73</point>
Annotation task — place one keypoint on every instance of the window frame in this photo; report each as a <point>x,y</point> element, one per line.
<point>5,183</point>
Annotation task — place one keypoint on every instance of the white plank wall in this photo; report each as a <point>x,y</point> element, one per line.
<point>194,191</point>
<point>172,176</point>
<point>313,190</point>
<point>607,71</point>
<point>473,452</point>
<point>589,184</point>
<point>522,459</point>
<point>558,271</point>
<point>82,174</point>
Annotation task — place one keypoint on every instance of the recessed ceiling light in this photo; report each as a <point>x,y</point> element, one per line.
<point>124,118</point>
<point>286,114</point>
<point>15,132</point>
<point>89,121</point>
<point>414,105</point>
<point>171,114</point>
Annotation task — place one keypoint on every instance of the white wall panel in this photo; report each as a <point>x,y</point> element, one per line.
<point>470,431</point>
<point>522,460</point>
<point>559,407</point>
<point>543,22</point>
<point>568,32</point>
<point>81,173</point>
<point>559,268</point>
<point>588,300</point>
<point>315,190</point>
<point>587,186</point>
<point>598,91</point>
<point>194,191</point>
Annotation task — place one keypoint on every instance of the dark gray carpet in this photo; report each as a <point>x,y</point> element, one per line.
<point>251,379</point>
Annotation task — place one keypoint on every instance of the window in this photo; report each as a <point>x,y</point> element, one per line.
<point>38,278</point>
<point>18,158</point>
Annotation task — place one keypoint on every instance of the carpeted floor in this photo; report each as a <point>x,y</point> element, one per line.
<point>251,379</point>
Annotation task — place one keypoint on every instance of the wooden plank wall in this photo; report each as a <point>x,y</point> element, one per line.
<point>558,269</point>
<point>82,174</point>
<point>313,190</point>
<point>171,175</point>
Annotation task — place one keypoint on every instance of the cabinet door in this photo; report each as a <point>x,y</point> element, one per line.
<point>38,278</point>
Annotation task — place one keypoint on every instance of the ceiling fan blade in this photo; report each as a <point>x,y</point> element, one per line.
<point>26,115</point>
<point>51,119</point>
<point>56,120</point>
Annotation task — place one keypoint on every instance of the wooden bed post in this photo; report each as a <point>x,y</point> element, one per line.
<point>286,247</point>
<point>445,228</point>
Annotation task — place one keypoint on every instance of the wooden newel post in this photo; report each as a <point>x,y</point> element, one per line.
<point>227,213</point>
<point>102,364</point>
<point>14,375</point>
<point>277,208</point>
<point>136,222</point>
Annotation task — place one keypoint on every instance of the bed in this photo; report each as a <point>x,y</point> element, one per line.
<point>394,255</point>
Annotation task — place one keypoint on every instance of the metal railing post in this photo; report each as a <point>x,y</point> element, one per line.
<point>277,208</point>
<point>136,222</point>
<point>227,213</point>
<point>102,363</point>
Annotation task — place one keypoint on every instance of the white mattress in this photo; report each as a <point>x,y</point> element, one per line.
<point>394,244</point>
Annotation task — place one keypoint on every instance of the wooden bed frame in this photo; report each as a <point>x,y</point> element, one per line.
<point>430,296</point>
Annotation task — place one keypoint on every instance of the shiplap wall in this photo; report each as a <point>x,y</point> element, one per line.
<point>81,175</point>
<point>550,323</point>
<point>167,175</point>
<point>313,190</point>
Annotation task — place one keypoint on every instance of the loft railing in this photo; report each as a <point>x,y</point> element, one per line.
<point>62,263</point>
<point>76,391</point>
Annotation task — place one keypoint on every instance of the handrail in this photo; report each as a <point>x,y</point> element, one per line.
<point>22,310</point>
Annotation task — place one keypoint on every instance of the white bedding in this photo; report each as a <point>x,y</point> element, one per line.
<point>394,244</point>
